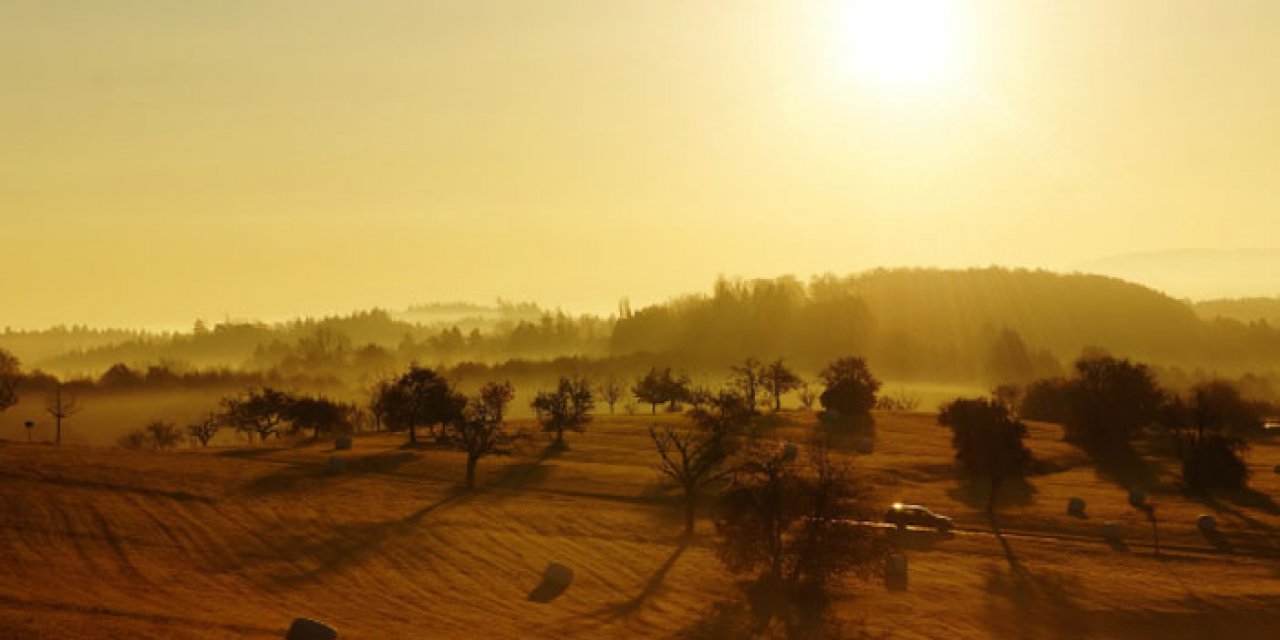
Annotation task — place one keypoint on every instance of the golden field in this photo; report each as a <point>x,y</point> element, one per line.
<point>235,542</point>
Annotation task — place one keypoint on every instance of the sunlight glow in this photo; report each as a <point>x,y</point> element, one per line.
<point>901,45</point>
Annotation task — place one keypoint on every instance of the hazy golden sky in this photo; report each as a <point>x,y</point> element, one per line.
<point>162,161</point>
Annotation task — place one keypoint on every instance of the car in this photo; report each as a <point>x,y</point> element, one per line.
<point>904,515</point>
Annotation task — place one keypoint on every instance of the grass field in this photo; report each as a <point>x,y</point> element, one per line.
<point>236,542</point>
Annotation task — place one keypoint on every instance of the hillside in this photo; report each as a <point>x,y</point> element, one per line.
<point>235,542</point>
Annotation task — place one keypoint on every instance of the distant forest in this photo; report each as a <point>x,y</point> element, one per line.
<point>979,325</point>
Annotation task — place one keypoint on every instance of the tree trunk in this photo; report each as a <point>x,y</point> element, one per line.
<point>57,438</point>
<point>777,402</point>
<point>471,471</point>
<point>991,495</point>
<point>413,434</point>
<point>654,408</point>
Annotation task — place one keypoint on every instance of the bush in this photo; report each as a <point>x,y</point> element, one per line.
<point>1213,461</point>
<point>155,435</point>
<point>850,388</point>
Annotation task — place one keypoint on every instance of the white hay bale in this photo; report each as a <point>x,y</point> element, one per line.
<point>308,629</point>
<point>1075,507</point>
<point>1206,523</point>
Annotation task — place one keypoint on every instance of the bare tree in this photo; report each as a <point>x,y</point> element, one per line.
<point>807,396</point>
<point>61,404</point>
<point>162,435</point>
<point>478,432</point>
<point>748,378</point>
<point>495,396</point>
<point>778,379</point>
<point>204,429</point>
<point>568,407</point>
<point>691,460</point>
<point>611,391</point>
<point>9,379</point>
<point>260,411</point>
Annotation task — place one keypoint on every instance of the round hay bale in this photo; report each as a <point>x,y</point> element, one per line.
<point>1112,530</point>
<point>1276,468</point>
<point>343,443</point>
<point>308,629</point>
<point>555,581</point>
<point>336,464</point>
<point>895,572</point>
<point>1075,507</point>
<point>1206,523</point>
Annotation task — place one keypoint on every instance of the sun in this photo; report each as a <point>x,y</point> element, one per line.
<point>900,45</point>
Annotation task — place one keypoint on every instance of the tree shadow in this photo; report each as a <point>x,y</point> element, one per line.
<point>527,474</point>
<point>382,462</point>
<point>1125,467</point>
<point>917,539</point>
<point>651,586</point>
<point>255,452</point>
<point>283,479</point>
<point>975,493</point>
<point>351,543</point>
<point>848,434</point>
<point>1024,604</point>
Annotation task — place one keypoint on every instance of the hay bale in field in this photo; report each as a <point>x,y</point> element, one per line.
<point>1075,507</point>
<point>1112,530</point>
<point>1206,523</point>
<point>343,443</point>
<point>895,572</point>
<point>336,465</point>
<point>308,629</point>
<point>1276,468</point>
<point>555,581</point>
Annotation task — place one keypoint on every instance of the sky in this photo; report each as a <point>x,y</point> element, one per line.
<point>166,161</point>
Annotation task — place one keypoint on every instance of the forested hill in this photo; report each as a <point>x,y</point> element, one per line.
<point>911,323</point>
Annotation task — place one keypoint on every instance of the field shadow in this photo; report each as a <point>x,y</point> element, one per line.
<point>283,479</point>
<point>382,462</point>
<point>1023,603</point>
<point>1013,492</point>
<point>351,543</point>
<point>651,586</point>
<point>1126,467</point>
<point>917,539</point>
<point>248,452</point>
<point>527,474</point>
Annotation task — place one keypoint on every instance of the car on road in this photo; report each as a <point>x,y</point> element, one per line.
<point>914,515</point>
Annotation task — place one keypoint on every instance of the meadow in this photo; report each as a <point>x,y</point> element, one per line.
<point>236,541</point>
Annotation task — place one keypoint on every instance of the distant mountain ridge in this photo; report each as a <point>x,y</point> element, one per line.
<point>1197,274</point>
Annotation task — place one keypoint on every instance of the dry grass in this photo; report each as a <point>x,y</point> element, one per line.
<point>237,542</point>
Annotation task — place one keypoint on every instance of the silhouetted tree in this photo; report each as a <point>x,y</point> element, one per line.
<point>807,396</point>
<point>1206,432</point>
<point>796,529</point>
<point>478,430</point>
<point>495,396</point>
<point>61,404</point>
<point>850,388</point>
<point>611,391</point>
<point>691,460</point>
<point>988,442</point>
<point>1048,400</point>
<point>163,435</point>
<point>420,397</point>
<point>260,412</point>
<point>567,407</point>
<point>10,377</point>
<point>320,415</point>
<point>660,386</point>
<point>204,429</point>
<point>1109,401</point>
<point>778,379</point>
<point>748,378</point>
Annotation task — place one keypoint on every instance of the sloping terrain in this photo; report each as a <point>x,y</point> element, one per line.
<point>237,542</point>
